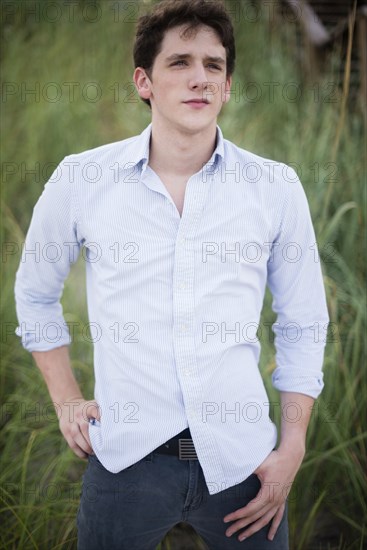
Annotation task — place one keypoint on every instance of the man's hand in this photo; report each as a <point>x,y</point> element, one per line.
<point>276,475</point>
<point>74,415</point>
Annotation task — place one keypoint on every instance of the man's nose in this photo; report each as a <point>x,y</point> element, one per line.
<point>198,78</point>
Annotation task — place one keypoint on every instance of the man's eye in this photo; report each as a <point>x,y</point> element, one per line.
<point>213,66</point>
<point>180,62</point>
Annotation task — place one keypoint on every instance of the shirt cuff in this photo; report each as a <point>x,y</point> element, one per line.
<point>51,336</point>
<point>289,380</point>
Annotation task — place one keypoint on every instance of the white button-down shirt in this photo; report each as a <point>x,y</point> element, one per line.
<point>174,302</point>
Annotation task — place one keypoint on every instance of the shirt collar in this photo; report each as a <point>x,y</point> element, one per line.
<point>140,147</point>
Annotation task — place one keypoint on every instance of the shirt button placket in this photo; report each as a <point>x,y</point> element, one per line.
<point>183,303</point>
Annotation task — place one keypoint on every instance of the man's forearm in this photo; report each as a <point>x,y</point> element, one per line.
<point>56,370</point>
<point>72,409</point>
<point>296,413</point>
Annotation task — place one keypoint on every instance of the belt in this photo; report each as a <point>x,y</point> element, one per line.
<point>180,445</point>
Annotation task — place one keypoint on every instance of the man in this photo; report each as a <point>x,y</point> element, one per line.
<point>182,230</point>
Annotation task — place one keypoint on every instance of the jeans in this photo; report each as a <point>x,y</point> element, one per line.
<point>135,508</point>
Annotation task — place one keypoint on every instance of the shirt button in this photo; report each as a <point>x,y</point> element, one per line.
<point>182,286</point>
<point>184,328</point>
<point>187,372</point>
<point>183,242</point>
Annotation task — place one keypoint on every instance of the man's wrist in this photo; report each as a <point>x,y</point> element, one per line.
<point>61,402</point>
<point>74,398</point>
<point>294,444</point>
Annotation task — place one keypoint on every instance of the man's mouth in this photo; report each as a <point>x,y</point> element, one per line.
<point>198,100</point>
<point>197,103</point>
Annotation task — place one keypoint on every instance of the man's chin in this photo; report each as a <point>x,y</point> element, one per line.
<point>196,124</point>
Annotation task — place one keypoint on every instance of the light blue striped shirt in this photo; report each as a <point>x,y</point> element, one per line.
<point>174,302</point>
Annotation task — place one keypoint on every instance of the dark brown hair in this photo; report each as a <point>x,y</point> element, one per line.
<point>167,14</point>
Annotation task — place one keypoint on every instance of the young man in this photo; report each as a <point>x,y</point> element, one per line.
<point>180,242</point>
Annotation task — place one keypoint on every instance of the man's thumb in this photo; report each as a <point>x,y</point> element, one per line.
<point>92,411</point>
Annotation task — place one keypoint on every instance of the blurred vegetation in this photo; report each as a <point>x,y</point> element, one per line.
<point>78,62</point>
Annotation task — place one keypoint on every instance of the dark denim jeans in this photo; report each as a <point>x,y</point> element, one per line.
<point>135,508</point>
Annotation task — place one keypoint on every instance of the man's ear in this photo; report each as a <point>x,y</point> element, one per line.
<point>227,90</point>
<point>142,83</point>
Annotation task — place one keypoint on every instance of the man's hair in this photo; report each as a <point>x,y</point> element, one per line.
<point>168,14</point>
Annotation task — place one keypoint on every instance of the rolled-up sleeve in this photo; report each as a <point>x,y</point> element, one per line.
<point>296,282</point>
<point>52,244</point>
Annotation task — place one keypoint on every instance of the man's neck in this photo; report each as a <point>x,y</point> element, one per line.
<point>181,155</point>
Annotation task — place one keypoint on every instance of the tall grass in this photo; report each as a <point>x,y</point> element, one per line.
<point>40,478</point>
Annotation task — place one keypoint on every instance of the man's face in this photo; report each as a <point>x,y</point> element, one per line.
<point>189,84</point>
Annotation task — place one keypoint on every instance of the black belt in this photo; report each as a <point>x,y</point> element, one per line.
<point>180,445</point>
